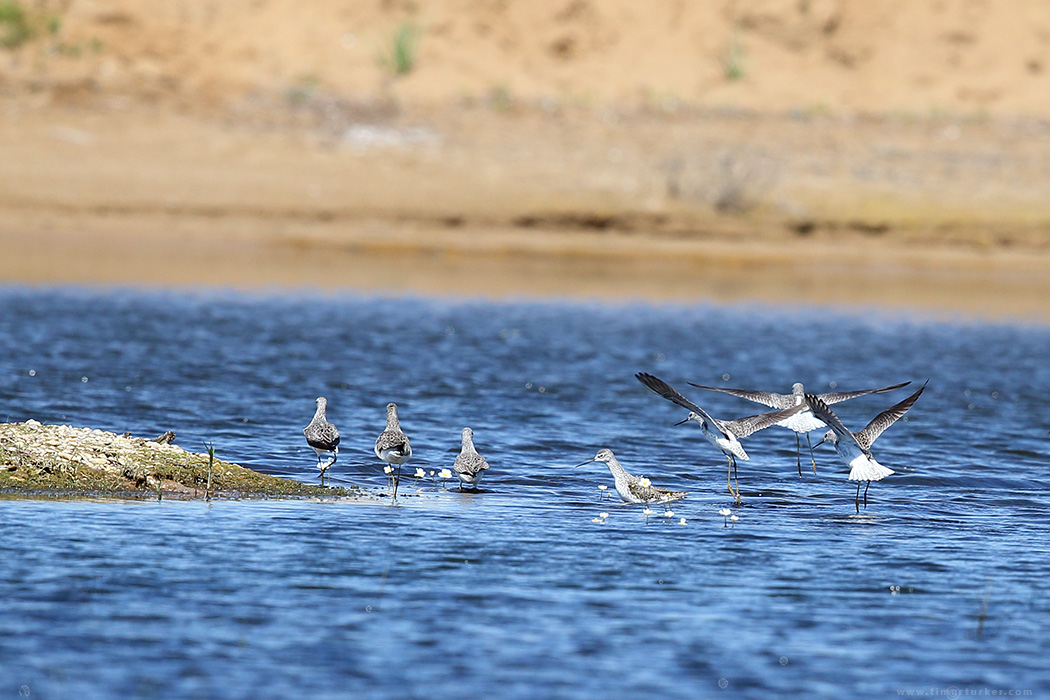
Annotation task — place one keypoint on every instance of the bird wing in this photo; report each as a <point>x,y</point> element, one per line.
<point>742,427</point>
<point>469,463</point>
<point>667,493</point>
<point>887,418</point>
<point>766,398</point>
<point>644,493</point>
<point>837,396</point>
<point>391,439</point>
<point>324,436</point>
<point>659,386</point>
<point>821,411</point>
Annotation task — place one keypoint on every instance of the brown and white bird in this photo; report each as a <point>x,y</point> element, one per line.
<point>322,436</point>
<point>854,449</point>
<point>469,465</point>
<point>633,489</point>
<point>392,445</point>
<point>723,434</point>
<point>804,421</point>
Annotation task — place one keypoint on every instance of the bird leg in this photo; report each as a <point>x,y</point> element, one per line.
<point>856,500</point>
<point>865,493</point>
<point>811,453</point>
<point>397,481</point>
<point>731,476</point>
<point>798,454</point>
<point>736,482</point>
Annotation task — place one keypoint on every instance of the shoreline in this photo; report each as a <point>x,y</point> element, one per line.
<point>530,205</point>
<point>953,284</point>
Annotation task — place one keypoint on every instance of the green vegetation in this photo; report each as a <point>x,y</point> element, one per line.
<point>56,460</point>
<point>19,25</point>
<point>15,27</point>
<point>734,65</point>
<point>401,58</point>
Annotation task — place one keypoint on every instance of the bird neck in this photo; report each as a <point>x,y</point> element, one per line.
<point>468,444</point>
<point>391,420</point>
<point>319,414</point>
<point>616,468</point>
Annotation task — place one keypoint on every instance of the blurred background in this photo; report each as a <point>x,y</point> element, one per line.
<point>813,151</point>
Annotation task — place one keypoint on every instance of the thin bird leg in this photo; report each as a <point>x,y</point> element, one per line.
<point>865,494</point>
<point>736,482</point>
<point>729,475</point>
<point>798,454</point>
<point>811,453</point>
<point>856,501</point>
<point>397,481</point>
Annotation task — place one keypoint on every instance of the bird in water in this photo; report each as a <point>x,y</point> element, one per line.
<point>469,465</point>
<point>854,449</point>
<point>323,437</point>
<point>392,445</point>
<point>723,434</point>
<point>804,421</point>
<point>633,489</point>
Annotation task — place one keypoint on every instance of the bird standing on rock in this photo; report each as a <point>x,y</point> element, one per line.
<point>322,436</point>
<point>392,445</point>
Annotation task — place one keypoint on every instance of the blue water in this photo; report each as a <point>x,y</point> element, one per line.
<point>940,586</point>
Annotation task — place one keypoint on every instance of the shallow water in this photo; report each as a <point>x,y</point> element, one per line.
<point>514,592</point>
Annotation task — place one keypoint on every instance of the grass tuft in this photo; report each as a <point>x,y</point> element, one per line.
<point>401,58</point>
<point>15,27</point>
<point>734,65</point>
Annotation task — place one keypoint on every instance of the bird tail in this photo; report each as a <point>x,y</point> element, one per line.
<point>868,470</point>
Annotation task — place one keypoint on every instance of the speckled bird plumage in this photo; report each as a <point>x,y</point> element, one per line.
<point>469,465</point>
<point>322,436</point>
<point>392,445</point>
<point>629,486</point>
<point>854,449</point>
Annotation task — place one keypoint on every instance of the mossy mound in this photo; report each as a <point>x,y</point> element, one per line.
<point>61,459</point>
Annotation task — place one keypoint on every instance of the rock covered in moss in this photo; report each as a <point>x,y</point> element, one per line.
<point>59,458</point>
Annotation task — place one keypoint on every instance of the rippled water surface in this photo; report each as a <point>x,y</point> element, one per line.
<point>940,586</point>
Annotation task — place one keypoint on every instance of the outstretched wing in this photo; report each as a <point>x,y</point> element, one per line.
<point>742,427</point>
<point>659,386</point>
<point>766,398</point>
<point>879,423</point>
<point>821,411</point>
<point>837,396</point>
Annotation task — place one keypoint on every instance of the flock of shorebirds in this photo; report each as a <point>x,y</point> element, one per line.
<point>392,446</point>
<point>797,411</point>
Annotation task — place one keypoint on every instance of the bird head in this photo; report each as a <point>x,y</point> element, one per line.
<point>692,416</point>
<point>604,455</point>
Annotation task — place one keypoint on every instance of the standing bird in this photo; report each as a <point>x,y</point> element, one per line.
<point>725,435</point>
<point>804,421</point>
<point>469,465</point>
<point>392,445</point>
<point>633,489</point>
<point>322,436</point>
<point>854,449</point>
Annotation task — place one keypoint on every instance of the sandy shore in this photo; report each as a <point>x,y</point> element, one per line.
<point>471,202</point>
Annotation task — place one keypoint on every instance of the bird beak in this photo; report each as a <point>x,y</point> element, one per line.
<point>822,441</point>
<point>583,463</point>
<point>682,421</point>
